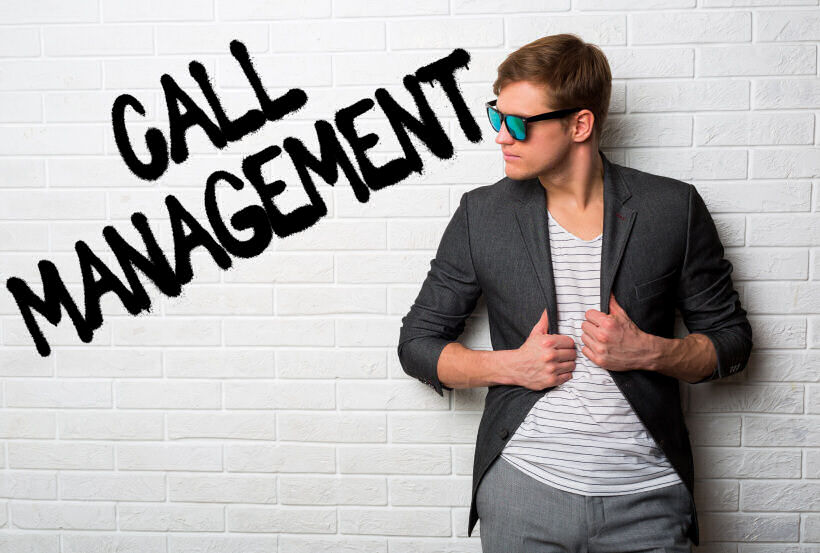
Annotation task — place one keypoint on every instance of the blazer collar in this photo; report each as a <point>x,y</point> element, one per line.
<point>531,214</point>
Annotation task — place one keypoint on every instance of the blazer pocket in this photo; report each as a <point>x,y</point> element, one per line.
<point>655,287</point>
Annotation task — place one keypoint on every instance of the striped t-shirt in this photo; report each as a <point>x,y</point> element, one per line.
<point>583,436</point>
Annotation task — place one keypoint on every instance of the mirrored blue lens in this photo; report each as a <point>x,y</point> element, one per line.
<point>516,127</point>
<point>495,118</point>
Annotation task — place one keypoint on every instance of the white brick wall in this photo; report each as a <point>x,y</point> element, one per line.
<point>265,408</point>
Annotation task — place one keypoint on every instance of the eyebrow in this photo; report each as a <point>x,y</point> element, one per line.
<point>516,114</point>
<point>507,112</point>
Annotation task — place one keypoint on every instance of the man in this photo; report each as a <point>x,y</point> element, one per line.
<point>582,444</point>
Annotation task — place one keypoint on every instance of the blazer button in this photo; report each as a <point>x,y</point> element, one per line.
<point>504,433</point>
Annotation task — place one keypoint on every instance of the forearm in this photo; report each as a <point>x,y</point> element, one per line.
<point>690,359</point>
<point>460,367</point>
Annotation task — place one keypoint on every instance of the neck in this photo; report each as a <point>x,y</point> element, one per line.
<point>578,181</point>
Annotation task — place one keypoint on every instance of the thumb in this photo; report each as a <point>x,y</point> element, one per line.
<point>614,306</point>
<point>542,326</point>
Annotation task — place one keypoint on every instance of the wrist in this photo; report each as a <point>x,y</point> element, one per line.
<point>660,351</point>
<point>498,366</point>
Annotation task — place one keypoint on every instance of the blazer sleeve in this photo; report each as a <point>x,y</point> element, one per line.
<point>706,296</point>
<point>447,297</point>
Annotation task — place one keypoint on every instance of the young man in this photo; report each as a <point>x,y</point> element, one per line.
<point>582,444</point>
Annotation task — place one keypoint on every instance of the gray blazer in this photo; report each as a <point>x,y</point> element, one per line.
<point>660,251</point>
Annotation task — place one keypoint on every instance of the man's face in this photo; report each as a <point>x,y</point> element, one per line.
<point>546,143</point>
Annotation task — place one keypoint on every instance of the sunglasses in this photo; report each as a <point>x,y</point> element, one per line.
<point>516,125</point>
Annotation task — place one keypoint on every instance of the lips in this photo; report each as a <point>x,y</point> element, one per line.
<point>509,156</point>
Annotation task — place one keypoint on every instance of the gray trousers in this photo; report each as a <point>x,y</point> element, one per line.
<point>520,514</point>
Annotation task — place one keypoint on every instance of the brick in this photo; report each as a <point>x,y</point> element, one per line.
<point>98,40</point>
<point>633,4</point>
<point>233,10</point>
<point>768,59</point>
<point>336,363</point>
<point>58,394</point>
<point>430,492</point>
<point>746,462</point>
<point>280,458</point>
<point>169,457</point>
<point>60,455</point>
<point>222,488</point>
<point>168,394</point>
<point>685,164</point>
<point>19,42</point>
<point>788,25</point>
<point>157,10</point>
<point>375,8</point>
<point>327,36</point>
<point>52,140</point>
<point>20,108</point>
<point>710,95</point>
<point>332,427</point>
<point>690,27</point>
<point>389,395</point>
<point>112,487</point>
<point>785,163</point>
<point>332,490</point>
<point>633,63</point>
<point>450,427</point>
<point>755,398</point>
<point>49,11</point>
<point>170,518</point>
<point>778,431</point>
<point>110,425</point>
<point>445,33</point>
<point>223,425</point>
<point>283,331</point>
<point>211,38</point>
<point>280,395</point>
<point>316,520</point>
<point>754,129</point>
<point>786,93</point>
<point>395,522</point>
<point>22,173</point>
<point>648,130</point>
<point>600,30</point>
<point>44,74</point>
<point>80,542</point>
<point>66,515</point>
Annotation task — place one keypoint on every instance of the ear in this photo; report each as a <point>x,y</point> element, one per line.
<point>583,124</point>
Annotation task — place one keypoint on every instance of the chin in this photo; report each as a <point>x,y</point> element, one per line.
<point>516,173</point>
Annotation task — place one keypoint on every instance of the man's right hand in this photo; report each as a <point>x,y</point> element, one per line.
<point>544,360</point>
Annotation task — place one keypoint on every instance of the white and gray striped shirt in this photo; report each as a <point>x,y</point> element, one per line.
<point>583,436</point>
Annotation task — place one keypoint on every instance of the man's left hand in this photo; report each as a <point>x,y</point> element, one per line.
<point>614,342</point>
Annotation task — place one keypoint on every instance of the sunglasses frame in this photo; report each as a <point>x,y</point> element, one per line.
<point>557,114</point>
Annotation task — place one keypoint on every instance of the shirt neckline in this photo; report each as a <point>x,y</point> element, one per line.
<point>554,220</point>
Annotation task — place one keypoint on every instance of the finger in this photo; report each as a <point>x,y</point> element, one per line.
<point>590,341</point>
<point>592,356</point>
<point>595,317</point>
<point>562,341</point>
<point>614,306</point>
<point>564,355</point>
<point>542,326</point>
<point>565,367</point>
<point>591,329</point>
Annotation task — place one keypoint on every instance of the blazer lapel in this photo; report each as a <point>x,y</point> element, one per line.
<point>531,215</point>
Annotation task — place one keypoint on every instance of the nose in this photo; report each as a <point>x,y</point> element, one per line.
<point>503,136</point>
